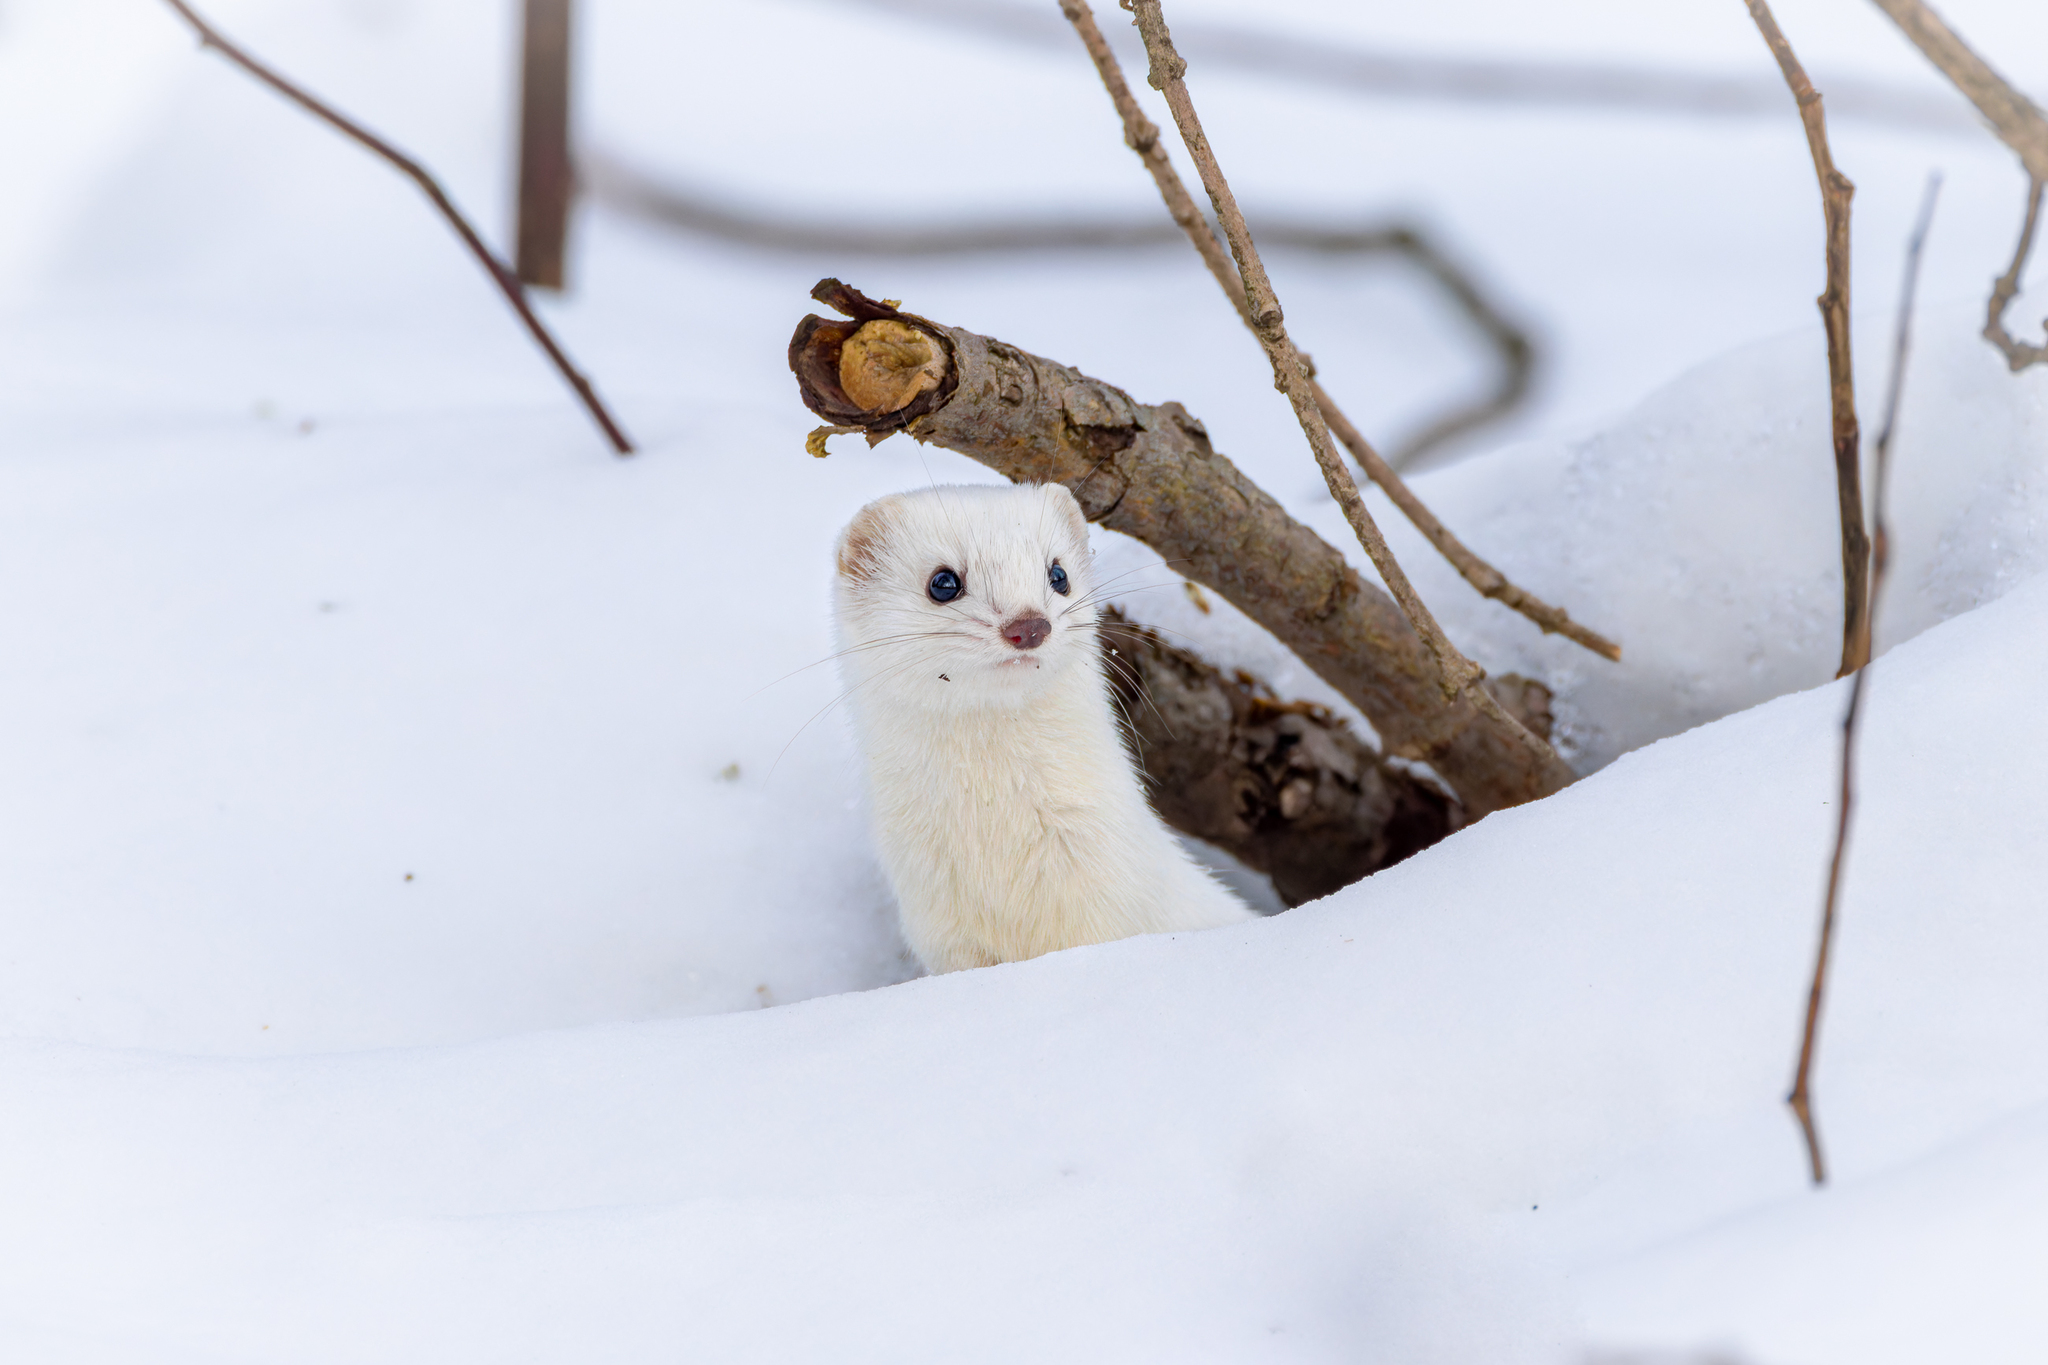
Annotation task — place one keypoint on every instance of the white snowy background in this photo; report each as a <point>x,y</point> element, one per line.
<point>433,927</point>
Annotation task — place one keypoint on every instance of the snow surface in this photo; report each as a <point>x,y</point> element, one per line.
<point>410,809</point>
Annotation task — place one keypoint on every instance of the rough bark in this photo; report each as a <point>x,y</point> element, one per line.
<point>1150,472</point>
<point>1283,787</point>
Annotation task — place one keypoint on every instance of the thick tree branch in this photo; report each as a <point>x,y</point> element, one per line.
<point>1284,787</point>
<point>1151,473</point>
<point>508,284</point>
<point>1457,675</point>
<point>1142,136</point>
<point>1835,193</point>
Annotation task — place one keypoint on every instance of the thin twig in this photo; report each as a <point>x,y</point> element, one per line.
<point>2018,354</point>
<point>1456,673</point>
<point>664,202</point>
<point>1143,138</point>
<point>1801,1098</point>
<point>507,283</point>
<point>2020,125</point>
<point>1835,193</point>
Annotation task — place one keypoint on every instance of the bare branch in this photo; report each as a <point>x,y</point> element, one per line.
<point>1284,787</point>
<point>1457,674</point>
<point>1142,136</point>
<point>2019,122</point>
<point>1150,472</point>
<point>1801,1098</point>
<point>1835,193</point>
<point>2018,354</point>
<point>508,284</point>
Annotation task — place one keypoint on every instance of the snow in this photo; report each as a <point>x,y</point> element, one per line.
<point>410,808</point>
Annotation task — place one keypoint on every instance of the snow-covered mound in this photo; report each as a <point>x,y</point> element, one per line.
<point>391,782</point>
<point>1518,1094</point>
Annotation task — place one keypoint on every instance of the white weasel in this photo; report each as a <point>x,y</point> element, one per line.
<point>1006,809</point>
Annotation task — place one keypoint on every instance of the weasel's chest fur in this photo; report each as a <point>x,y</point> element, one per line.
<point>1006,810</point>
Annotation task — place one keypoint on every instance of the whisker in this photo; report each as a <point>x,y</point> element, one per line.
<point>862,647</point>
<point>1129,671</point>
<point>869,682</point>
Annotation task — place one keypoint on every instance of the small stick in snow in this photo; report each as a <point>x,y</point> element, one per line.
<point>2018,354</point>
<point>1835,193</point>
<point>508,284</point>
<point>1801,1098</point>
<point>1457,674</point>
<point>1142,136</point>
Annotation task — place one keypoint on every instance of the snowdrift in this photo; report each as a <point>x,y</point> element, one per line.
<point>409,810</point>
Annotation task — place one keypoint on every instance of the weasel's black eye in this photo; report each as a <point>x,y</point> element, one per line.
<point>1058,578</point>
<point>945,586</point>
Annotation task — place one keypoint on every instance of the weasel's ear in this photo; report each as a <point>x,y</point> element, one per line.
<point>1060,498</point>
<point>860,544</point>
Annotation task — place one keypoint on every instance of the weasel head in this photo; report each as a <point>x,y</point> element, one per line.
<point>966,597</point>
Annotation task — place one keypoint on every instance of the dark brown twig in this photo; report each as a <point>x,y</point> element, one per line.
<point>1835,193</point>
<point>1142,136</point>
<point>627,189</point>
<point>547,179</point>
<point>2018,354</point>
<point>508,284</point>
<point>1457,675</point>
<point>1801,1098</point>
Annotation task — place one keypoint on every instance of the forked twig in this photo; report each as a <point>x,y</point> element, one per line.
<point>1801,1098</point>
<point>507,284</point>
<point>2020,125</point>
<point>1143,138</point>
<point>1835,193</point>
<point>2018,354</point>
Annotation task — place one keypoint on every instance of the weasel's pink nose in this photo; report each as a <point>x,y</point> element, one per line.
<point>1027,632</point>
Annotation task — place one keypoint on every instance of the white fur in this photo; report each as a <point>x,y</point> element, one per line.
<point>1006,809</point>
